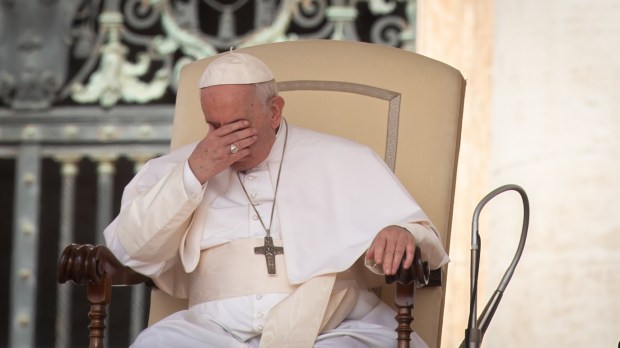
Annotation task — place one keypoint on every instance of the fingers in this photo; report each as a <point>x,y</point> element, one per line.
<point>377,249</point>
<point>219,140</point>
<point>410,251</point>
<point>213,153</point>
<point>231,127</point>
<point>399,251</point>
<point>390,246</point>
<point>238,133</point>
<point>244,143</point>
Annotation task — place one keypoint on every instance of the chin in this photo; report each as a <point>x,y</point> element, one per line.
<point>242,166</point>
<point>248,162</point>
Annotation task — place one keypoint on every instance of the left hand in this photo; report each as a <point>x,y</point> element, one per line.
<point>389,247</point>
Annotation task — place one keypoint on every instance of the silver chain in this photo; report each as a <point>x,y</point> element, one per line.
<point>275,194</point>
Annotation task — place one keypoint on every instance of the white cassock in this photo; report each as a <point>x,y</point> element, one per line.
<point>334,197</point>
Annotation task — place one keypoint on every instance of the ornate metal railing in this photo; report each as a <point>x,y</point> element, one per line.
<point>96,79</point>
<point>67,136</point>
<point>110,52</point>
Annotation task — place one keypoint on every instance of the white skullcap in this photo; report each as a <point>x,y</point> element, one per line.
<point>234,68</point>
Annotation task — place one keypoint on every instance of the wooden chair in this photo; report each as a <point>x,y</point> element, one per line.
<point>403,105</point>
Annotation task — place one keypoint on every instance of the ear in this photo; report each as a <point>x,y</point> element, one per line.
<point>276,105</point>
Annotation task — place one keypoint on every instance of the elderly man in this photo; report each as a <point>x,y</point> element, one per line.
<point>259,225</point>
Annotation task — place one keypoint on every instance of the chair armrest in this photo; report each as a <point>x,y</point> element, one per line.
<point>82,263</point>
<point>418,273</point>
<point>98,269</point>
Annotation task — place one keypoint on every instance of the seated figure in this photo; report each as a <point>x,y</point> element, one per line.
<point>259,225</point>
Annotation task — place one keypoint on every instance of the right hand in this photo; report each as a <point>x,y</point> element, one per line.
<point>212,154</point>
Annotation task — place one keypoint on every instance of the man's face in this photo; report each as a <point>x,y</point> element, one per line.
<point>229,103</point>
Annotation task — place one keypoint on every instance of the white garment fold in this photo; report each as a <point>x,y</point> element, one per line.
<point>334,197</point>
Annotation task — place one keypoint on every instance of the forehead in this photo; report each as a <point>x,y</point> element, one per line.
<point>227,103</point>
<point>228,93</point>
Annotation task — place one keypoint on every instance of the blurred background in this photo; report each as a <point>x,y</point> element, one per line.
<point>87,91</point>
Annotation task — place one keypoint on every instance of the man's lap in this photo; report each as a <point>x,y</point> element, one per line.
<point>189,329</point>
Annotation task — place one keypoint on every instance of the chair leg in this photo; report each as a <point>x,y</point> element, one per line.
<point>404,319</point>
<point>99,296</point>
<point>404,303</point>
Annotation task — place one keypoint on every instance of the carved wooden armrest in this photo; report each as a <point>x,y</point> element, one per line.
<point>407,280</point>
<point>98,269</point>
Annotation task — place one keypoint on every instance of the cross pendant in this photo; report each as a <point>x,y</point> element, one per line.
<point>270,251</point>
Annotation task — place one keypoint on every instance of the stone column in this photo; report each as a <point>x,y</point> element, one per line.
<point>69,172</point>
<point>552,127</point>
<point>556,132</point>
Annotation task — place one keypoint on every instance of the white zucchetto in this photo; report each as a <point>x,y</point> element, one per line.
<point>235,69</point>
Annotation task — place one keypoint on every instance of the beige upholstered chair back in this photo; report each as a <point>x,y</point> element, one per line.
<point>405,106</point>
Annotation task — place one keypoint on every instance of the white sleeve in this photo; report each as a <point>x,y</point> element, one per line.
<point>149,269</point>
<point>192,186</point>
<point>156,211</point>
<point>428,240</point>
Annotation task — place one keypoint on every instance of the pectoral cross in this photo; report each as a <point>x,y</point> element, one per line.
<point>270,251</point>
